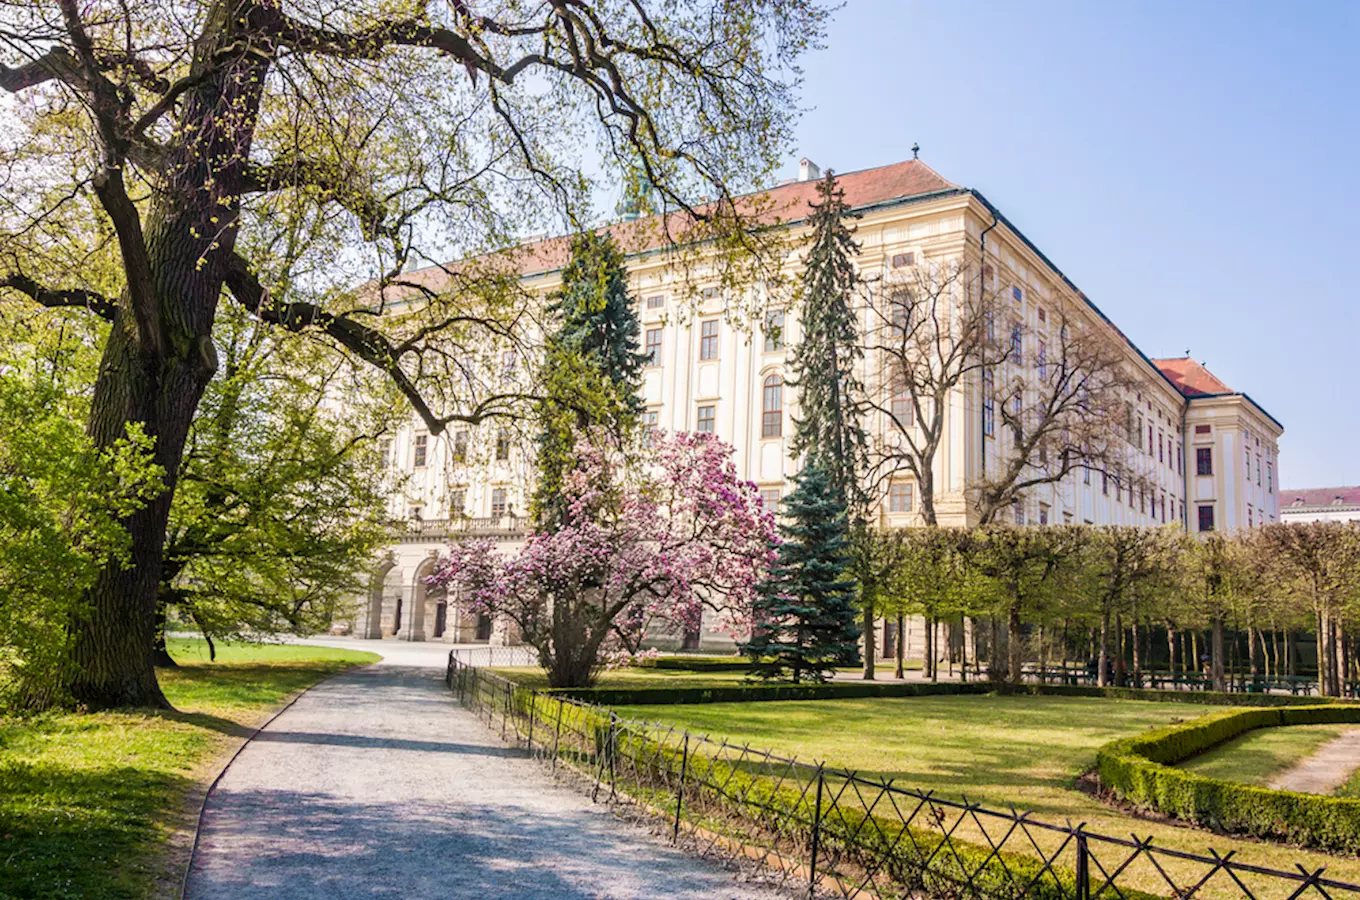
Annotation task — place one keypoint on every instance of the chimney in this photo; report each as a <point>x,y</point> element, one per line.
<point>808,170</point>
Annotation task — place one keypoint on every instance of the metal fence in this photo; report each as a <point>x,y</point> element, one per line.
<point>827,832</point>
<point>489,657</point>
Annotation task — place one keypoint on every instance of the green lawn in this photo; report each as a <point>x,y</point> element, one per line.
<point>1259,755</point>
<point>98,805</point>
<point>998,750</point>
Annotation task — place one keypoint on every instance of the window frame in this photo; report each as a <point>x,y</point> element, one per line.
<point>708,342</point>
<point>772,416</point>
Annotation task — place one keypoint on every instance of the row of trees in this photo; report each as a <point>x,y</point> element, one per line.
<point>1105,595</point>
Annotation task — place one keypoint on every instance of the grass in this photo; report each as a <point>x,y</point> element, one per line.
<point>997,750</point>
<point>1258,756</point>
<point>97,805</point>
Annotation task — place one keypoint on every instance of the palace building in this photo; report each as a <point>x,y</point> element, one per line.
<point>1205,455</point>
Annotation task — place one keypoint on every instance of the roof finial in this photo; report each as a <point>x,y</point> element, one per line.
<point>915,151</point>
<point>1187,352</point>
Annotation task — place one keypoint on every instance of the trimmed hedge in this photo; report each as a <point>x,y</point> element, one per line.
<point>1140,770</point>
<point>700,663</point>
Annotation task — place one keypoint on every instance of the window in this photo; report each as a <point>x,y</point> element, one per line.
<point>988,275</point>
<point>1163,507</point>
<point>457,503</point>
<point>385,453</point>
<point>710,292</point>
<point>1180,460</point>
<point>1142,501</point>
<point>502,444</point>
<point>656,302</point>
<point>903,259</point>
<point>769,499</point>
<point>649,425</point>
<point>1204,461</point>
<point>1018,403</point>
<point>1258,471</point>
<point>1017,295</point>
<point>1250,518</point>
<point>1018,511</point>
<point>1132,424</point>
<point>654,346</point>
<point>708,339</point>
<point>1043,316</point>
<point>508,363</point>
<point>1043,513</point>
<point>1270,478</point>
<point>1105,483</point>
<point>988,410</point>
<point>1206,518</point>
<point>903,412</point>
<point>900,498</point>
<point>1043,359</point>
<point>1086,474</point>
<point>460,446</point>
<point>1202,429</point>
<point>708,417</point>
<point>1161,454</point>
<point>1247,465</point>
<point>774,331</point>
<point>499,506</point>
<point>422,444</point>
<point>1149,439</point>
<point>772,407</point>
<point>1017,345</point>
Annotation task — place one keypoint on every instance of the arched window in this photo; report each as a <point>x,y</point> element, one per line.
<point>772,407</point>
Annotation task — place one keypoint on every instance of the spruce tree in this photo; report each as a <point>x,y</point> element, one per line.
<point>830,395</point>
<point>592,366</point>
<point>805,615</point>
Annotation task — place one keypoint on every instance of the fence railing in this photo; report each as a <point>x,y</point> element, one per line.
<point>488,657</point>
<point>833,833</point>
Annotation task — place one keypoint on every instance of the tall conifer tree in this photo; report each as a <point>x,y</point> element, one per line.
<point>593,366</point>
<point>805,615</point>
<point>831,396</point>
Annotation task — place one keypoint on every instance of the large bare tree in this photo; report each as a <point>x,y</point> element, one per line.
<point>1060,402</point>
<point>156,153</point>
<point>929,335</point>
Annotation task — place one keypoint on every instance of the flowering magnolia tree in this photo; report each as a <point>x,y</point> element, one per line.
<point>652,540</point>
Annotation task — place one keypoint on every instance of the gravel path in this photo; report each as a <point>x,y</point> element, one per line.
<point>376,784</point>
<point>1326,770</point>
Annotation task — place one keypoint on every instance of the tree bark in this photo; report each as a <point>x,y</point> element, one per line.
<point>1103,657</point>
<point>900,648</point>
<point>1016,657</point>
<point>160,656</point>
<point>1216,654</point>
<point>869,644</point>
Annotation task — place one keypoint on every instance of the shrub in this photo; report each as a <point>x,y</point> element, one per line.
<point>1140,770</point>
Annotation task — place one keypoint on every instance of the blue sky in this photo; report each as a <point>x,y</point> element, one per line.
<point>1193,167</point>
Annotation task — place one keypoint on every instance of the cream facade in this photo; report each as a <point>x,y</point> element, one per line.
<point>709,373</point>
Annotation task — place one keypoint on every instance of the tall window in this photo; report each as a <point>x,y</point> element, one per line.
<point>1043,359</point>
<point>900,312</point>
<point>499,506</point>
<point>707,419</point>
<point>457,503</point>
<point>460,446</point>
<point>1180,460</point>
<point>649,425</point>
<point>1270,478</point>
<point>1161,453</point>
<point>774,330</point>
<point>653,346</point>
<point>772,407</point>
<point>422,444</point>
<point>1105,483</point>
<point>1204,463</point>
<point>1258,471</point>
<point>1017,345</point>
<point>902,410</point>
<point>988,406</point>
<point>1149,438</point>
<point>900,497</point>
<point>708,339</point>
<point>1018,510</point>
<point>508,363</point>
<point>385,452</point>
<point>502,444</point>
<point>1206,518</point>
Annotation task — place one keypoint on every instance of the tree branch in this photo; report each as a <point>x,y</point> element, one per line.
<point>54,298</point>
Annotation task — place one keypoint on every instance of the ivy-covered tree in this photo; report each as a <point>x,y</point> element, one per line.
<point>830,425</point>
<point>804,617</point>
<point>592,369</point>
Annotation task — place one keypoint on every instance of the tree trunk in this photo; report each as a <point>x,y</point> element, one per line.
<point>1171,650</point>
<point>900,649</point>
<point>869,644</point>
<point>928,653</point>
<point>1016,657</point>
<point>995,669</point>
<point>159,355</point>
<point>1216,654</point>
<point>1119,649</point>
<point>1322,652</point>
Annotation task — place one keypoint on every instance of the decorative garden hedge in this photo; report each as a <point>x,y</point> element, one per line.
<point>1140,770</point>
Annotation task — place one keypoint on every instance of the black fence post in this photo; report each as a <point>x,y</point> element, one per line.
<point>557,734</point>
<point>613,750</point>
<point>505,711</point>
<point>680,790</point>
<point>533,701</point>
<point>1083,867</point>
<point>816,835</point>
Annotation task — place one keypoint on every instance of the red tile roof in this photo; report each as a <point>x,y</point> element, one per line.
<point>786,202</point>
<point>1350,496</point>
<point>1191,378</point>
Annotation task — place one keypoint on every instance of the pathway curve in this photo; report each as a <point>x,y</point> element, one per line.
<point>377,784</point>
<point>1326,770</point>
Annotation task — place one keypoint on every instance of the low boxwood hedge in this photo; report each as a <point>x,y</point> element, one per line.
<point>700,663</point>
<point>1140,770</point>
